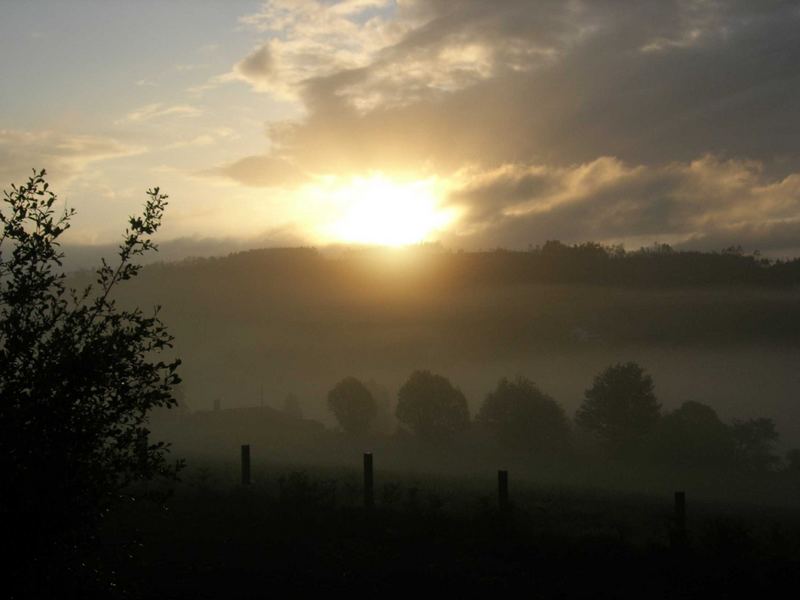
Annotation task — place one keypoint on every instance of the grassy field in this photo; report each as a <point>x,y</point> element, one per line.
<point>299,529</point>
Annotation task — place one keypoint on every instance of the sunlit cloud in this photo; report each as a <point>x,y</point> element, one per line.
<point>311,39</point>
<point>260,171</point>
<point>210,137</point>
<point>610,201</point>
<point>63,155</point>
<point>158,110</point>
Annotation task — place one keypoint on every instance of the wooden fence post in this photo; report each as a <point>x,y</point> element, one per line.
<point>246,464</point>
<point>369,489</point>
<point>502,490</point>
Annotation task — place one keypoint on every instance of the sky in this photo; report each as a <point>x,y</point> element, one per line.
<point>477,124</point>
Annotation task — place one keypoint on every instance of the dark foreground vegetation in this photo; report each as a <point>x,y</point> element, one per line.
<point>297,532</point>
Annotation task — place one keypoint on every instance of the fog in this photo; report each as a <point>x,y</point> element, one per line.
<point>254,327</point>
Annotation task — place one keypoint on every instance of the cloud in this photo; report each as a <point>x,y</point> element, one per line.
<point>257,66</point>
<point>393,54</point>
<point>561,82</point>
<point>314,38</point>
<point>706,202</point>
<point>779,239</point>
<point>63,155</point>
<point>605,120</point>
<point>261,171</point>
<point>158,110</point>
<point>208,138</point>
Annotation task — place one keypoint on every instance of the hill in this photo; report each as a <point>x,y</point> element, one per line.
<point>721,328</point>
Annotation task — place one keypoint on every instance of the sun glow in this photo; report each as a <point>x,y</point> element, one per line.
<point>378,210</point>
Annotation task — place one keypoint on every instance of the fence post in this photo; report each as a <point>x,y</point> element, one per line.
<point>502,490</point>
<point>369,490</point>
<point>246,464</point>
<point>679,535</point>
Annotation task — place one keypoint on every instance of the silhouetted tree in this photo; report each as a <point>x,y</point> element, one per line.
<point>431,407</point>
<point>754,439</point>
<point>693,436</point>
<point>523,417</point>
<point>620,407</point>
<point>78,375</point>
<point>353,405</point>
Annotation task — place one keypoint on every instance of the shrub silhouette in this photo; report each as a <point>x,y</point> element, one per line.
<point>431,407</point>
<point>353,405</point>
<point>522,417</point>
<point>620,407</point>
<point>78,375</point>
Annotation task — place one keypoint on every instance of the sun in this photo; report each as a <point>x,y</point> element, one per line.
<point>381,211</point>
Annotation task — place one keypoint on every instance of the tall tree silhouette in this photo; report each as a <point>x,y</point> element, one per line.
<point>522,417</point>
<point>78,374</point>
<point>620,407</point>
<point>353,405</point>
<point>431,406</point>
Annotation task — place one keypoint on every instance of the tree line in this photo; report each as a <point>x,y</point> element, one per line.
<point>619,416</point>
<point>656,266</point>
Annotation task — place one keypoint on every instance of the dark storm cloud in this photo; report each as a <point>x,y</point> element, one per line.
<point>567,82</point>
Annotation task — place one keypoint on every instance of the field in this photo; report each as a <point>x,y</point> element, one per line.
<point>299,529</point>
